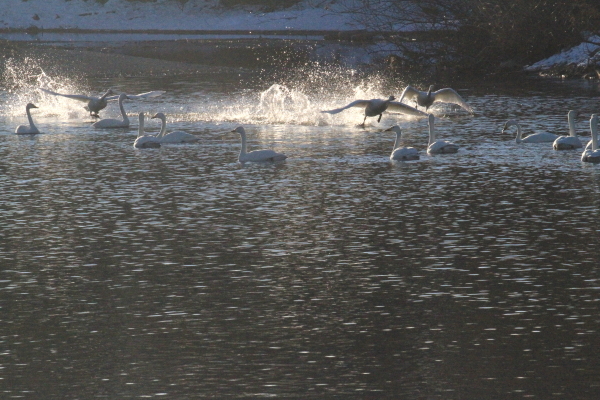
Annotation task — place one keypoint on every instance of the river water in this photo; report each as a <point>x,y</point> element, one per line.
<point>179,273</point>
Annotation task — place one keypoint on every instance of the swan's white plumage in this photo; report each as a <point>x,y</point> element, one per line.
<point>402,153</point>
<point>115,123</point>
<point>542,137</point>
<point>256,155</point>
<point>592,154</point>
<point>144,141</point>
<point>31,129</point>
<point>438,146</point>
<point>175,136</point>
<point>426,99</point>
<point>570,142</point>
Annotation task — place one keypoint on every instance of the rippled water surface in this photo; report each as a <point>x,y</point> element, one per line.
<point>179,273</point>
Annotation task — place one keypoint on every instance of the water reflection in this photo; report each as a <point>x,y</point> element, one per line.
<point>179,273</point>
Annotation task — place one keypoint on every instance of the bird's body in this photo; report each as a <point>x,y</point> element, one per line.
<point>31,129</point>
<point>376,107</point>
<point>542,137</point>
<point>438,146</point>
<point>144,141</point>
<point>256,155</point>
<point>175,136</point>
<point>114,123</point>
<point>426,99</point>
<point>95,104</point>
<point>570,142</point>
<point>402,153</point>
<point>591,153</point>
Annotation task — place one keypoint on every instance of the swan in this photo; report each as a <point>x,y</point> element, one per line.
<point>172,137</point>
<point>426,99</point>
<point>592,154</point>
<point>402,153</point>
<point>376,107</point>
<point>144,141</point>
<point>31,129</point>
<point>256,155</point>
<point>114,123</point>
<point>438,146</point>
<point>95,104</point>
<point>542,137</point>
<point>568,142</point>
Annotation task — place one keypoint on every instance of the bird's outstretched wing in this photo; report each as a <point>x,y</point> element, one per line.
<point>356,103</point>
<point>448,95</point>
<point>154,93</point>
<point>79,97</point>
<point>396,106</point>
<point>409,92</point>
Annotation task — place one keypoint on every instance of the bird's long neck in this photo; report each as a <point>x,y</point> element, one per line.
<point>519,134</point>
<point>431,132</point>
<point>163,127</point>
<point>123,113</point>
<point>141,131</point>
<point>594,129</point>
<point>397,142</point>
<point>243,150</point>
<point>104,96</point>
<point>571,125</point>
<point>31,124</point>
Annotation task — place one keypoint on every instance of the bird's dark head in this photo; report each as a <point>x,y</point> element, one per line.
<point>391,98</point>
<point>31,105</point>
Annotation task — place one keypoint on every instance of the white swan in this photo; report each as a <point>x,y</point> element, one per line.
<point>402,153</point>
<point>570,142</point>
<point>542,137</point>
<point>144,141</point>
<point>256,155</point>
<point>95,104</point>
<point>592,154</point>
<point>31,129</point>
<point>438,146</point>
<point>115,123</point>
<point>175,136</point>
<point>426,99</point>
<point>376,107</point>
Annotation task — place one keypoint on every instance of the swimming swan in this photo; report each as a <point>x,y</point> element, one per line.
<point>114,123</point>
<point>256,155</point>
<point>376,107</point>
<point>402,153</point>
<point>439,146</point>
<point>95,104</point>
<point>542,137</point>
<point>175,136</point>
<point>570,142</point>
<point>144,141</point>
<point>426,99</point>
<point>31,129</point>
<point>592,154</point>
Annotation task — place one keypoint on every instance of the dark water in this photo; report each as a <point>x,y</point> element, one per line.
<point>178,273</point>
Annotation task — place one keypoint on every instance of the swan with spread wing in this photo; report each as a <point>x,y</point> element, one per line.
<point>426,99</point>
<point>375,107</point>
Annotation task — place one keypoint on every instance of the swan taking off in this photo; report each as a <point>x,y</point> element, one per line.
<point>144,141</point>
<point>376,107</point>
<point>426,99</point>
<point>592,154</point>
<point>570,142</point>
<point>115,123</point>
<point>256,155</point>
<point>402,153</point>
<point>175,136</point>
<point>542,137</point>
<point>95,104</point>
<point>31,129</point>
<point>439,146</point>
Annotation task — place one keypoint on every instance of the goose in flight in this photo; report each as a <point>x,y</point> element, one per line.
<point>426,99</point>
<point>439,146</point>
<point>144,141</point>
<point>570,142</point>
<point>115,123</point>
<point>376,107</point>
<point>175,136</point>
<point>402,153</point>
<point>592,153</point>
<point>542,137</point>
<point>256,155</point>
<point>31,129</point>
<point>95,104</point>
